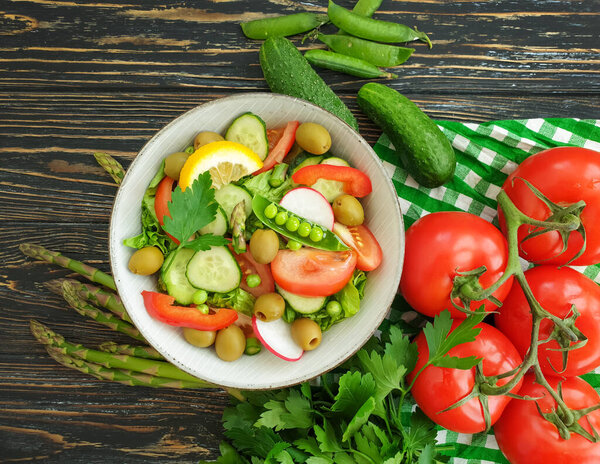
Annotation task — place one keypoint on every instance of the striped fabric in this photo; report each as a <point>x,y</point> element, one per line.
<point>486,154</point>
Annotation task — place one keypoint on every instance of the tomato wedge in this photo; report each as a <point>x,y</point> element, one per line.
<point>249,266</point>
<point>356,183</point>
<point>281,146</point>
<point>162,200</point>
<point>312,272</point>
<point>363,242</point>
<point>161,307</point>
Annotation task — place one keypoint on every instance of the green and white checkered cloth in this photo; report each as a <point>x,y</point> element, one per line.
<point>486,154</point>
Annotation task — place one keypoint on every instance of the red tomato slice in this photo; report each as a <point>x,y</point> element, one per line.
<point>312,272</point>
<point>281,146</point>
<point>161,307</point>
<point>249,266</point>
<point>161,201</point>
<point>356,183</point>
<point>363,242</point>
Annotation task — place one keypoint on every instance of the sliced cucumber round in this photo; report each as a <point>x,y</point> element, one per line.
<point>214,270</point>
<point>303,304</point>
<point>230,195</point>
<point>218,226</point>
<point>335,161</point>
<point>174,276</point>
<point>251,131</point>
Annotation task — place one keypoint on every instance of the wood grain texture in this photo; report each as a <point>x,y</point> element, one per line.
<point>508,46</point>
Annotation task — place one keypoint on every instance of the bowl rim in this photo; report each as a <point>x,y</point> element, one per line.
<point>388,185</point>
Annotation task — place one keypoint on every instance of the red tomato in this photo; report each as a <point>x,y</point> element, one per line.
<point>161,201</point>
<point>557,290</point>
<point>312,272</point>
<point>363,242</point>
<point>280,143</point>
<point>525,437</point>
<point>437,388</point>
<point>564,175</point>
<point>249,266</point>
<point>356,183</point>
<point>440,245</point>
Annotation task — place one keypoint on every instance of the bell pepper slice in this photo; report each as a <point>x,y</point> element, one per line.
<point>356,183</point>
<point>161,306</point>
<point>282,146</point>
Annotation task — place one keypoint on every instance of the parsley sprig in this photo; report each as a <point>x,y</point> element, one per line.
<point>357,415</point>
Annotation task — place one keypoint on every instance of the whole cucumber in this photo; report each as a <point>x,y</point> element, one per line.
<point>424,150</point>
<point>287,71</point>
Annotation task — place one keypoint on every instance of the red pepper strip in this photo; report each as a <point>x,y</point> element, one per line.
<point>281,148</point>
<point>356,183</point>
<point>163,197</point>
<point>160,306</point>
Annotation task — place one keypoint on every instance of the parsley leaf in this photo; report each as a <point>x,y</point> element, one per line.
<point>204,242</point>
<point>355,389</point>
<point>293,413</point>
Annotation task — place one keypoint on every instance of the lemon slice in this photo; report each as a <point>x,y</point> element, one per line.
<point>226,162</point>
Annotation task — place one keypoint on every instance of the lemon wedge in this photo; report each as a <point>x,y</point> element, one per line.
<point>226,161</point>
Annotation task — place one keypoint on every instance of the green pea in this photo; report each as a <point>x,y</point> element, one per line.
<point>334,308</point>
<point>203,308</point>
<point>199,297</point>
<point>304,229</point>
<point>281,218</point>
<point>294,245</point>
<point>316,234</point>
<point>271,211</point>
<point>189,150</point>
<point>292,224</point>
<point>253,280</point>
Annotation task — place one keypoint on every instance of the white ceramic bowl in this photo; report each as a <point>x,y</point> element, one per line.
<point>262,371</point>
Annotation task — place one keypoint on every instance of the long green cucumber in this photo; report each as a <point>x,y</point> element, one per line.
<point>287,71</point>
<point>423,149</point>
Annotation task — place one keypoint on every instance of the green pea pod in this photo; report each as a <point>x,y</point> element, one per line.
<point>373,29</point>
<point>366,7</point>
<point>328,241</point>
<point>377,54</point>
<point>345,64</point>
<point>281,26</point>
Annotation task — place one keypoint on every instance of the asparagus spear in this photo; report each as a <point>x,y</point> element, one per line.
<point>70,294</point>
<point>278,175</point>
<point>93,294</point>
<point>52,257</point>
<point>111,165</point>
<point>238,225</point>
<point>140,351</point>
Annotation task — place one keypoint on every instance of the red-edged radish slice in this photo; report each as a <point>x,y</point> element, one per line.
<point>276,336</point>
<point>309,204</point>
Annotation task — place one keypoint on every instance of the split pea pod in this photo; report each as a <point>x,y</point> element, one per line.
<point>281,26</point>
<point>377,54</point>
<point>346,64</point>
<point>373,29</point>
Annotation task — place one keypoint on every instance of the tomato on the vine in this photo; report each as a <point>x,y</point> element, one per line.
<point>441,245</point>
<point>564,175</point>
<point>525,437</point>
<point>557,290</point>
<point>438,388</point>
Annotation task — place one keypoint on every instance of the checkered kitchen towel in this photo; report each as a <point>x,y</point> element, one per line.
<point>486,154</point>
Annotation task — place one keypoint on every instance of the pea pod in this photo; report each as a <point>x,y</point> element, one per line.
<point>373,29</point>
<point>281,26</point>
<point>365,8</point>
<point>327,241</point>
<point>377,54</point>
<point>345,64</point>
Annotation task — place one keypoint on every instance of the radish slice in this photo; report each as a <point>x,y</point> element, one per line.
<point>309,204</point>
<point>277,338</point>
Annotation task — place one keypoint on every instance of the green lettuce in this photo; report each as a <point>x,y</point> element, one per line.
<point>259,185</point>
<point>237,299</point>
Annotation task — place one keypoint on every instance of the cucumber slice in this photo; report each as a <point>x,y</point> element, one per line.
<point>230,195</point>
<point>335,161</point>
<point>307,162</point>
<point>214,270</point>
<point>174,279</point>
<point>251,131</point>
<point>218,226</point>
<point>302,304</point>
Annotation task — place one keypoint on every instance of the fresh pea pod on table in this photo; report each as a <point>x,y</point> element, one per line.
<point>281,26</point>
<point>345,64</point>
<point>373,29</point>
<point>365,8</point>
<point>295,227</point>
<point>377,54</point>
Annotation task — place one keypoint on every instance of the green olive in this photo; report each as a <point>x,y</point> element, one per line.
<point>230,343</point>
<point>264,245</point>
<point>146,261</point>
<point>174,163</point>
<point>199,338</point>
<point>269,307</point>
<point>348,210</point>
<point>206,137</point>
<point>306,333</point>
<point>313,138</point>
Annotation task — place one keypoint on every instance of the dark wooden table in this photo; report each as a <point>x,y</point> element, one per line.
<point>81,76</point>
